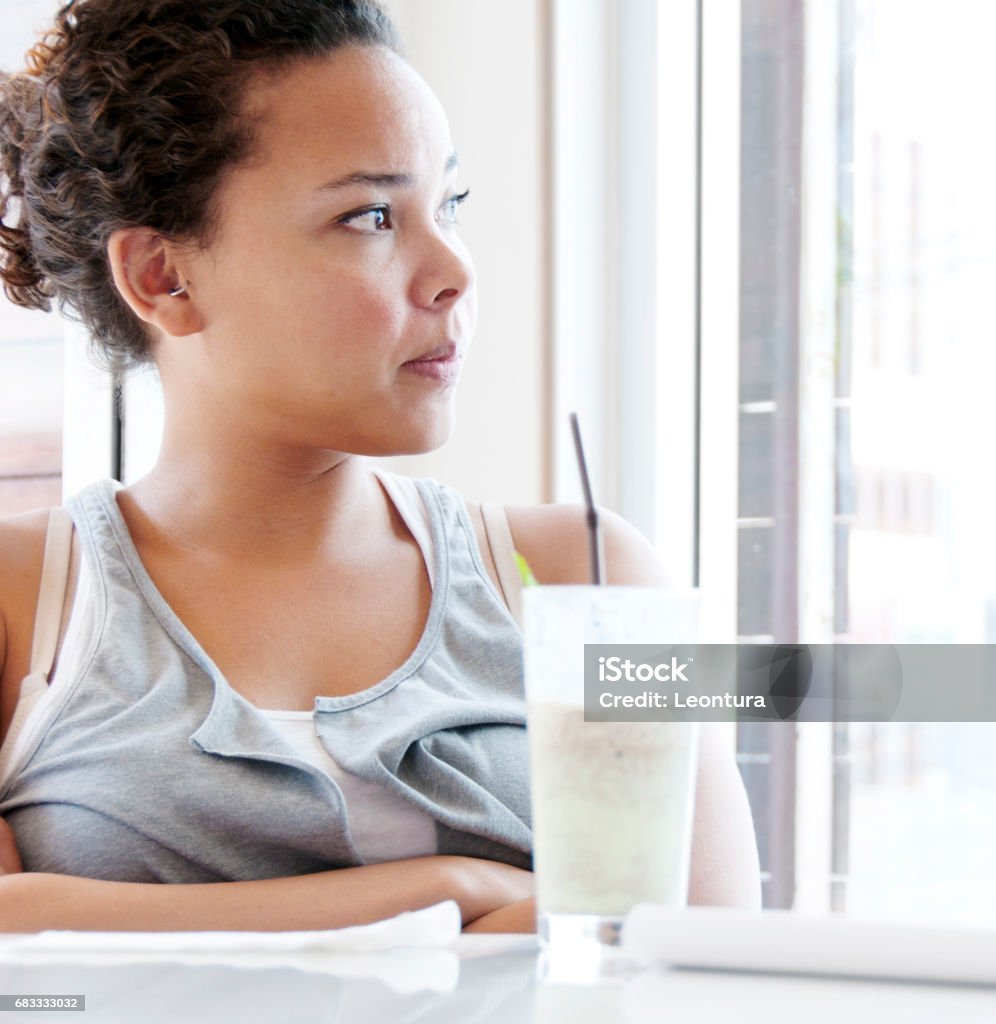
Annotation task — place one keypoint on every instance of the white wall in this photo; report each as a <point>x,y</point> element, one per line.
<point>22,19</point>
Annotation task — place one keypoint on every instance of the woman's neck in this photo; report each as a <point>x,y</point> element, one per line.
<point>276,504</point>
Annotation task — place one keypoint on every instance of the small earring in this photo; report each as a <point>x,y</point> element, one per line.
<point>178,290</point>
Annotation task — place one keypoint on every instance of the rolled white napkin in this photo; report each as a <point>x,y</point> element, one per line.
<point>404,951</point>
<point>785,942</point>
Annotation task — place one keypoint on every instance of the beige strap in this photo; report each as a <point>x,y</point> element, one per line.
<point>499,538</point>
<point>52,591</point>
<point>48,625</point>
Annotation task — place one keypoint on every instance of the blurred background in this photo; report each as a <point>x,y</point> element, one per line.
<point>754,244</point>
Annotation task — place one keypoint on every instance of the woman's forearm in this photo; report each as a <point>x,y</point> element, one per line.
<point>331,899</point>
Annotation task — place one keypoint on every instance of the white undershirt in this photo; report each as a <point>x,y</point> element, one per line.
<point>383,826</point>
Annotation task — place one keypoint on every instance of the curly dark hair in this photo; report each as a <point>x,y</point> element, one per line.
<point>129,114</point>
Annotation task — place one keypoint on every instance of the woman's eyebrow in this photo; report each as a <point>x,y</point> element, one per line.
<point>384,180</point>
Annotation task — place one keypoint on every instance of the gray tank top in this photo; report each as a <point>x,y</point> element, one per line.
<point>151,768</point>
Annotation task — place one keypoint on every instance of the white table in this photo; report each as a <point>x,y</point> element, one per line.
<point>497,985</point>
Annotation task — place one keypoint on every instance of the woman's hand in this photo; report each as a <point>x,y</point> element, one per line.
<point>490,887</point>
<point>516,917</point>
<point>10,859</point>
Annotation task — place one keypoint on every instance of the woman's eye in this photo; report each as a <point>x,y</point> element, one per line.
<point>448,212</point>
<point>377,218</point>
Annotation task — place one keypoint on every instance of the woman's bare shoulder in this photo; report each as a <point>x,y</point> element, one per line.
<point>22,543</point>
<point>554,541</point>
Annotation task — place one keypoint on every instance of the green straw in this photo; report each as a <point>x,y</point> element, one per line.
<point>595,547</point>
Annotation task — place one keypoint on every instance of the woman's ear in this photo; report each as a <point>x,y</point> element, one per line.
<point>150,280</point>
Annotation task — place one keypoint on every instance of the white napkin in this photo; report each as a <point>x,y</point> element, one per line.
<point>404,951</point>
<point>784,942</point>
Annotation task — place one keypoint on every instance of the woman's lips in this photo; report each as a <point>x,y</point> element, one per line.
<point>441,364</point>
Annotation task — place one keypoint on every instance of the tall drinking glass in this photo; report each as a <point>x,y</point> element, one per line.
<point>612,801</point>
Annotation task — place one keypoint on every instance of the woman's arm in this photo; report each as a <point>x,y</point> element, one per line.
<point>725,871</point>
<point>32,901</point>
<point>22,541</point>
<point>10,859</point>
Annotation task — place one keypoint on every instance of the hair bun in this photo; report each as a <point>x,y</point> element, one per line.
<point>21,124</point>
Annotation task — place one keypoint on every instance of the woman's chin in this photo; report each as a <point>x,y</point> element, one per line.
<point>417,440</point>
<point>423,446</point>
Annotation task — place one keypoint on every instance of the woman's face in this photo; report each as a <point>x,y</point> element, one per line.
<point>336,268</point>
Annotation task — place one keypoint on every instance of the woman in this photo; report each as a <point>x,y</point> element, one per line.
<point>260,198</point>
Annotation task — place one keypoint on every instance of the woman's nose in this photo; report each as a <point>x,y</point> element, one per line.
<point>446,271</point>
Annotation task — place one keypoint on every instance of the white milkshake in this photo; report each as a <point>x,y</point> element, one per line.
<point>612,804</point>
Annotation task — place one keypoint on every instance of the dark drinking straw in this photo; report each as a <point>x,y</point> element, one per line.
<point>594,527</point>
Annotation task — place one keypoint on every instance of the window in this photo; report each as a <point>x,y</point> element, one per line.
<point>30,410</point>
<point>31,353</point>
<point>864,229</point>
